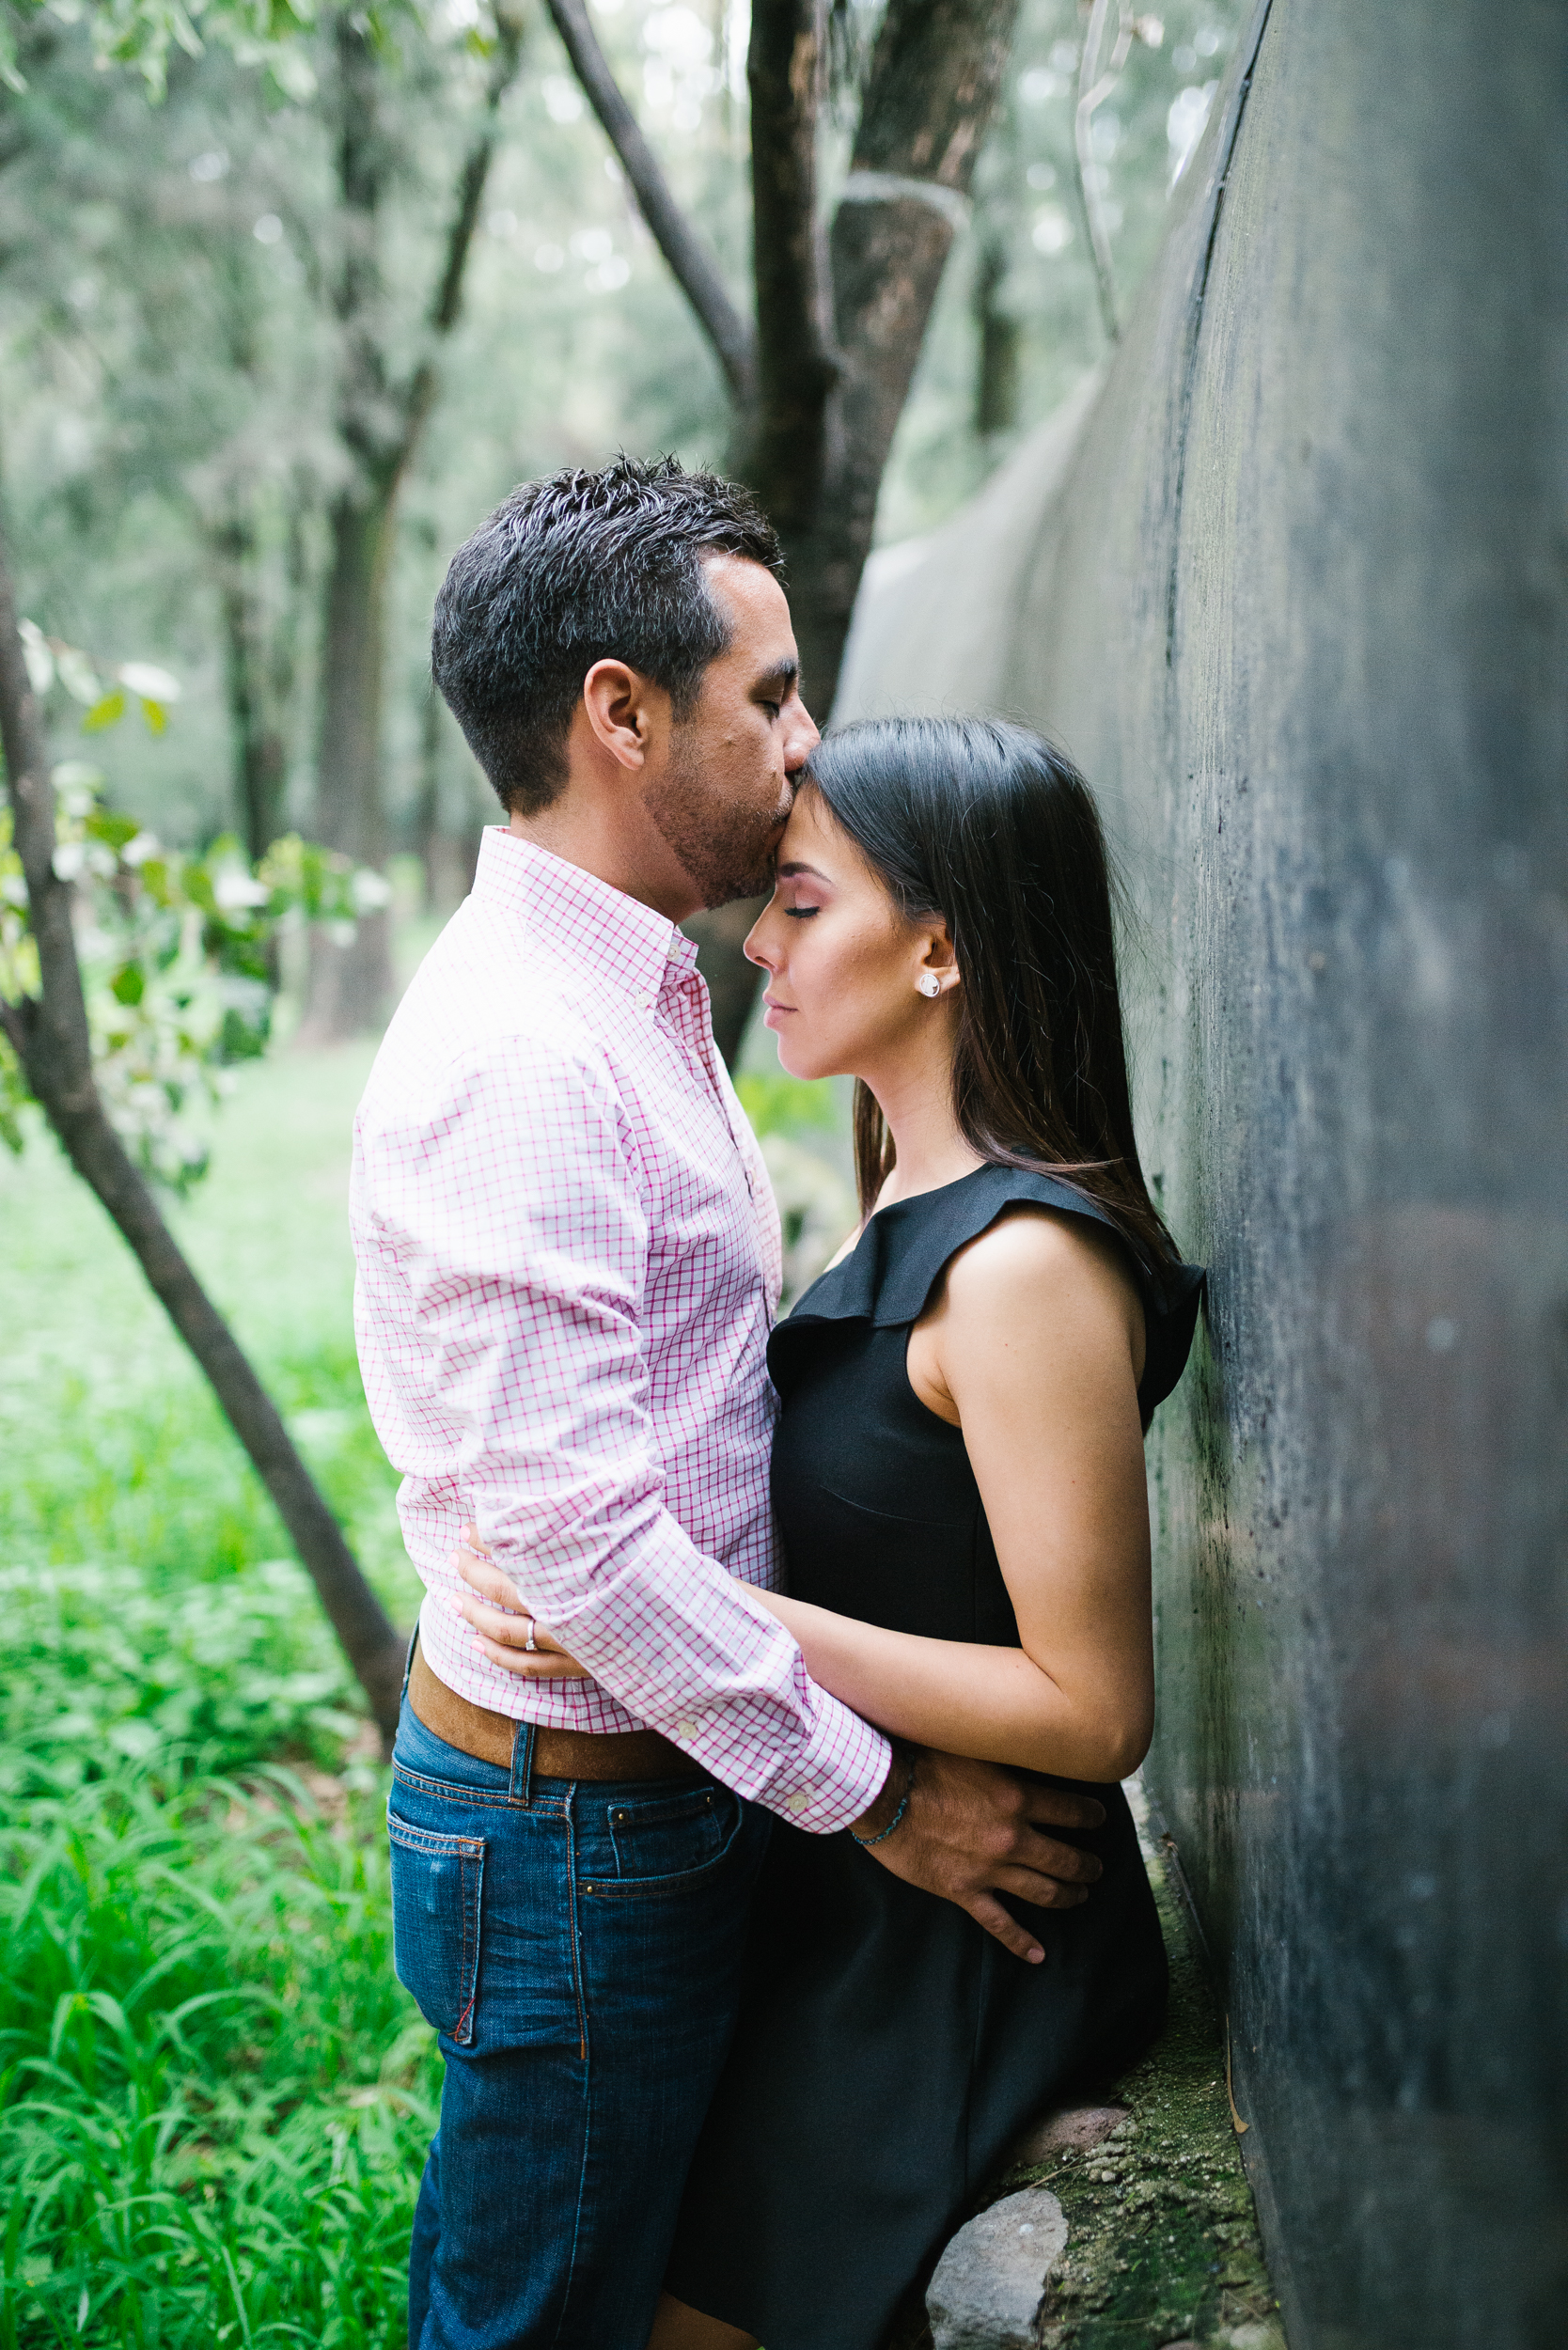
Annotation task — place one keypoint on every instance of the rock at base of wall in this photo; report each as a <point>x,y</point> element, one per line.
<point>1073,2130</point>
<point>991,2279</point>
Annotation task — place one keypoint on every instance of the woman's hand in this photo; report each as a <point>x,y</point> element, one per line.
<point>515,1640</point>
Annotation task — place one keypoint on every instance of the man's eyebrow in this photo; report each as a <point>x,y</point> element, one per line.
<point>795,867</point>
<point>783,673</point>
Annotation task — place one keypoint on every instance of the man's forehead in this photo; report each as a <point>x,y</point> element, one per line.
<point>762,635</point>
<point>742,583</point>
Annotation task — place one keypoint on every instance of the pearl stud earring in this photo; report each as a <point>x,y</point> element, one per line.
<point>929,985</point>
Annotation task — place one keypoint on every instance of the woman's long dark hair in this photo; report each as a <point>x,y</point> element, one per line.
<point>987,825</point>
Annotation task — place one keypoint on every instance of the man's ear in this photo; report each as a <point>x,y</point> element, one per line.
<point>622,707</point>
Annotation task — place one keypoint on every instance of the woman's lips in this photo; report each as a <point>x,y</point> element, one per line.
<point>774,1012</point>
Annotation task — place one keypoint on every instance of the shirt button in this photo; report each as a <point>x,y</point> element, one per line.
<point>797,1802</point>
<point>646,1002</point>
<point>687,1729</point>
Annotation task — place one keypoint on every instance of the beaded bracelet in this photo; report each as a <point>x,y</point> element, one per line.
<point>881,1835</point>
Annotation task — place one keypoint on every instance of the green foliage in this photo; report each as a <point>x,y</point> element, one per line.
<point>214,2098</point>
<point>777,1104</point>
<point>168,281</point>
<point>109,1663</point>
<point>114,1449</point>
<point>146,1467</point>
<point>142,33</point>
<point>178,953</point>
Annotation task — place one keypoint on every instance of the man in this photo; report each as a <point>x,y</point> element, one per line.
<point>568,1261</point>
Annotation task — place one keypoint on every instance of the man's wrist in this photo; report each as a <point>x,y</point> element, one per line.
<point>887,1805</point>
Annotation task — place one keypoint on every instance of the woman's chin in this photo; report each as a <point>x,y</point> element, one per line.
<point>797,1063</point>
<point>795,1056</point>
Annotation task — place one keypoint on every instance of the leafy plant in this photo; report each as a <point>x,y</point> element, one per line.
<point>141,33</point>
<point>178,953</point>
<point>106,1664</point>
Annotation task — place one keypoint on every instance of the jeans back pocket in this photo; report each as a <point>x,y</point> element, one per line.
<point>437,1884</point>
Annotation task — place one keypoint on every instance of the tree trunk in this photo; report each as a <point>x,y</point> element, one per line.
<point>256,716</point>
<point>934,78</point>
<point>51,1038</point>
<point>837,336</point>
<point>998,341</point>
<point>350,986</point>
<point>380,426</point>
<point>828,405</point>
<point>781,445</point>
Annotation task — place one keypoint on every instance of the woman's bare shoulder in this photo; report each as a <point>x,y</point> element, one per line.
<point>1040,1245</point>
<point>1037,1266</point>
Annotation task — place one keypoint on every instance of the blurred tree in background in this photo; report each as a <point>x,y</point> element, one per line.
<point>269,349</point>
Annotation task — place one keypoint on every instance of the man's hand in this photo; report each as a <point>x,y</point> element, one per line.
<point>973,1831</point>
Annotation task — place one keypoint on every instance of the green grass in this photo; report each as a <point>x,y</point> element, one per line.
<point>115,1450</point>
<point>214,2098</point>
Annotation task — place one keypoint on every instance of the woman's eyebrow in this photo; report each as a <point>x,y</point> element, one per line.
<point>788,872</point>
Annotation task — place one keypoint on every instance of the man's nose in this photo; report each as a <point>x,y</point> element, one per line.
<point>804,734</point>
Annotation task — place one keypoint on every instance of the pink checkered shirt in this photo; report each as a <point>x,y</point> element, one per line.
<point>568,1261</point>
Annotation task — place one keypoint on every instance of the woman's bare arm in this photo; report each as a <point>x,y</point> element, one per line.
<point>1035,1347</point>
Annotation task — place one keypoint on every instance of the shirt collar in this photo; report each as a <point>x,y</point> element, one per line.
<point>583,919</point>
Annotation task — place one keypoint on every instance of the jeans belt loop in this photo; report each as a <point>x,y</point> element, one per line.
<point>521,1791</point>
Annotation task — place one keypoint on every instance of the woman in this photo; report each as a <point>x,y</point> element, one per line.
<point>958,1474</point>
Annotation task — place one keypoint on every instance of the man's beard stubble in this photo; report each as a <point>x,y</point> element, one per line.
<point>727,849</point>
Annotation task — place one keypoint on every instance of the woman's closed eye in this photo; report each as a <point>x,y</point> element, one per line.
<point>801,914</point>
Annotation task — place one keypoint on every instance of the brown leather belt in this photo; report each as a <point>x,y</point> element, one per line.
<point>557,1754</point>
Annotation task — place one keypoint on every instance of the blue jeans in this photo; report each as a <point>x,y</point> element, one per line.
<point>577,1946</point>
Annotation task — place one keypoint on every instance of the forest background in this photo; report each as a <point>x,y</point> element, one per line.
<point>171,343</point>
<point>213,2096</point>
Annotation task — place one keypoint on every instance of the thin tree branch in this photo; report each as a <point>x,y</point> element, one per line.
<point>53,1042</point>
<point>1094,88</point>
<point>691,265</point>
<point>420,392</point>
<point>476,171</point>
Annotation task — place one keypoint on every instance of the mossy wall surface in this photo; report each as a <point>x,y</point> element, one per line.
<point>1292,583</point>
<point>1163,2244</point>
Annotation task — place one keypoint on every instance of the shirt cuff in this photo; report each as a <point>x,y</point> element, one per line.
<point>835,1777</point>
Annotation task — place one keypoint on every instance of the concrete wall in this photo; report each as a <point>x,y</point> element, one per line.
<point>1291,584</point>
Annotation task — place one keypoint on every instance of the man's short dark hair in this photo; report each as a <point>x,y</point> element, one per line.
<point>580,568</point>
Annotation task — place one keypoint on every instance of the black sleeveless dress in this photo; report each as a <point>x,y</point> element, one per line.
<point>888,2050</point>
